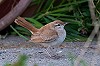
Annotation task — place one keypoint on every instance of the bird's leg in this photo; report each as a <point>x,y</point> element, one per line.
<point>47,50</point>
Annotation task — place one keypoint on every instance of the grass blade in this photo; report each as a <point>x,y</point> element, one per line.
<point>35,22</point>
<point>52,18</point>
<point>18,33</point>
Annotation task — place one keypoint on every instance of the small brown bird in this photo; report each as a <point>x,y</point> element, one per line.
<point>48,35</point>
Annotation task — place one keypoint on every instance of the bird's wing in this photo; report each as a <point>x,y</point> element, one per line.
<point>45,36</point>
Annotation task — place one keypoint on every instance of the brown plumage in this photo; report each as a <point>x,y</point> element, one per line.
<point>51,34</point>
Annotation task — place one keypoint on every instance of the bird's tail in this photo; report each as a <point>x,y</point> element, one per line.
<point>22,22</point>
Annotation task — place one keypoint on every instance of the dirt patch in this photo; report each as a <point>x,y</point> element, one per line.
<point>13,46</point>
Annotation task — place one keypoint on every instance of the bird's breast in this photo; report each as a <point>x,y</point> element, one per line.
<point>62,36</point>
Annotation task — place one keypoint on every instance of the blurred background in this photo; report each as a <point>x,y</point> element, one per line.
<point>41,12</point>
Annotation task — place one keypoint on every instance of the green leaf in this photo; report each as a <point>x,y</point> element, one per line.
<point>98,6</point>
<point>46,20</point>
<point>35,22</point>
<point>64,15</point>
<point>71,21</point>
<point>40,5</point>
<point>48,4</point>
<point>18,33</point>
<point>52,18</point>
<point>7,65</point>
<point>64,9</point>
<point>83,63</point>
<point>35,65</point>
<point>72,3</point>
<point>72,31</point>
<point>21,61</point>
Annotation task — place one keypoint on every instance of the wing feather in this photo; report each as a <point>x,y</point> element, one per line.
<point>45,36</point>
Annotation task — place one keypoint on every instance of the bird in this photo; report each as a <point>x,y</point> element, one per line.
<point>48,35</point>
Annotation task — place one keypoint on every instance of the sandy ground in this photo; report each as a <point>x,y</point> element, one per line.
<point>13,46</point>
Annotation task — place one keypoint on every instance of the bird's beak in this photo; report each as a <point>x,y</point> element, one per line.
<point>66,23</point>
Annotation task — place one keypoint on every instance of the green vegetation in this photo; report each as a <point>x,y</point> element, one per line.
<point>20,62</point>
<point>74,11</point>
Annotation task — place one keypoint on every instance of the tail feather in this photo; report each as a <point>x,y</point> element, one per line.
<point>22,22</point>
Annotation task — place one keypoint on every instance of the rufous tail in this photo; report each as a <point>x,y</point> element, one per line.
<point>22,22</point>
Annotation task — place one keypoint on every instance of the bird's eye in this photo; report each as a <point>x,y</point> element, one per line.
<point>58,25</point>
